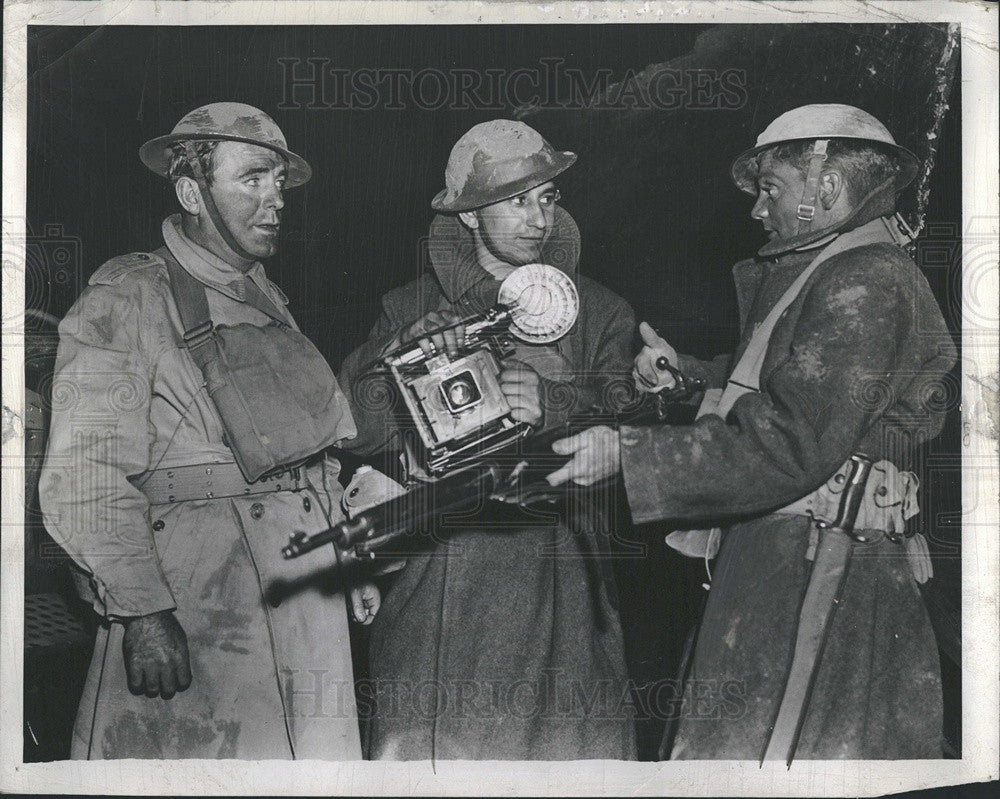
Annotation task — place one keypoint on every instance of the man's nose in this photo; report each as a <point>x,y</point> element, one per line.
<point>759,210</point>
<point>536,217</point>
<point>274,198</point>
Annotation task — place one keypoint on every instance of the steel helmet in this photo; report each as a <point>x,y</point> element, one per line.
<point>822,122</point>
<point>495,161</point>
<point>225,122</point>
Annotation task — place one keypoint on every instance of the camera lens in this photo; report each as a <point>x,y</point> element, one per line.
<point>461,391</point>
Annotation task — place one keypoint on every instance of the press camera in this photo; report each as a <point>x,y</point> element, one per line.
<point>455,400</point>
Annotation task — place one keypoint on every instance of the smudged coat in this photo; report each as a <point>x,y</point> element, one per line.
<point>860,362</point>
<point>268,639</point>
<point>503,640</point>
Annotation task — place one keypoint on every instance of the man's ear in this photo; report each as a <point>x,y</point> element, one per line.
<point>831,184</point>
<point>469,219</point>
<point>188,195</point>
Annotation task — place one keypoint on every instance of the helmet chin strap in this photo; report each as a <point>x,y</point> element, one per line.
<point>810,192</point>
<point>210,206</point>
<point>861,214</point>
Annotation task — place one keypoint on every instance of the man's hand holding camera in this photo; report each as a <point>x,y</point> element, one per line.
<point>519,382</point>
<point>451,339</point>
<point>522,387</point>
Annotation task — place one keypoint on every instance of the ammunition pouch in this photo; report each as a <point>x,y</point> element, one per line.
<point>275,394</point>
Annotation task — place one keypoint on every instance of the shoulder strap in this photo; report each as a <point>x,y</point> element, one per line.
<point>259,300</point>
<point>745,376</point>
<point>192,305</point>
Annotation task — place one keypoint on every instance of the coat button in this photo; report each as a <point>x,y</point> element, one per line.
<point>306,504</point>
<point>158,525</point>
<point>257,510</point>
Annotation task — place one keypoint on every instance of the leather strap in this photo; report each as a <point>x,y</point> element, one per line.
<point>826,584</point>
<point>745,376</point>
<point>810,192</point>
<point>213,210</point>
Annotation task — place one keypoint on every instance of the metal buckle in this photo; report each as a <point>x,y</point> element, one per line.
<point>805,212</point>
<point>198,335</point>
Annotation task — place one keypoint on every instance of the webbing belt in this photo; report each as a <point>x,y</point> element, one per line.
<point>210,481</point>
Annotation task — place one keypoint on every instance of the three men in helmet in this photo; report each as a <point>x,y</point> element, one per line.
<point>814,625</point>
<point>211,645</point>
<point>492,644</point>
<point>151,488</point>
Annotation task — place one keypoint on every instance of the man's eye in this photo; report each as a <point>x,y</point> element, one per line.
<point>518,201</point>
<point>550,199</point>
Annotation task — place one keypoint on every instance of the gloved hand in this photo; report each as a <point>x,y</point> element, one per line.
<point>366,599</point>
<point>647,377</point>
<point>156,655</point>
<point>522,387</point>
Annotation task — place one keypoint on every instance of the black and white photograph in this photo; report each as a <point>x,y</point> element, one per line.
<point>484,398</point>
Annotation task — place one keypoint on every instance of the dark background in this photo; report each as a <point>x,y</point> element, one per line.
<point>661,222</point>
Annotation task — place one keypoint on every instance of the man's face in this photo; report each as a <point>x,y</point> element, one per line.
<point>515,229</point>
<point>779,192</point>
<point>247,181</point>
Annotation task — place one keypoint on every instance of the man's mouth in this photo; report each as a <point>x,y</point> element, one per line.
<point>270,229</point>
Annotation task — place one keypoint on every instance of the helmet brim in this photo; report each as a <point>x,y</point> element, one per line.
<point>472,199</point>
<point>157,154</point>
<point>743,170</point>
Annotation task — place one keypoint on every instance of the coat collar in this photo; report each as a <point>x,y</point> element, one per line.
<point>464,282</point>
<point>209,269</point>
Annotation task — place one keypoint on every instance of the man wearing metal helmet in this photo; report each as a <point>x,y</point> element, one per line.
<point>506,619</point>
<point>815,641</point>
<point>187,447</point>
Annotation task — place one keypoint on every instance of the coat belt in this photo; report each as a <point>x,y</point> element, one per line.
<point>210,481</point>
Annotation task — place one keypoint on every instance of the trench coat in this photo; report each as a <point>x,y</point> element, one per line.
<point>268,639</point>
<point>858,363</point>
<point>502,640</point>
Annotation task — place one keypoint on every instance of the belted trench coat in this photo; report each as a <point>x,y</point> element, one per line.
<point>268,639</point>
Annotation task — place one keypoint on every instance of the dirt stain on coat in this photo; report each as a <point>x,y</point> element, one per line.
<point>149,737</point>
<point>730,639</point>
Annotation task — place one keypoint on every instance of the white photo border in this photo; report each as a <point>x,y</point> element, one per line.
<point>981,525</point>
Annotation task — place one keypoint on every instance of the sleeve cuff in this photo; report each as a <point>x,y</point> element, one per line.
<point>139,591</point>
<point>642,474</point>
